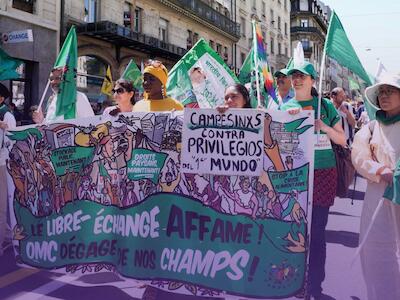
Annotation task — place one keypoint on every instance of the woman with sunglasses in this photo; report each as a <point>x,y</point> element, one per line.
<point>376,155</point>
<point>325,176</point>
<point>124,95</point>
<point>155,78</point>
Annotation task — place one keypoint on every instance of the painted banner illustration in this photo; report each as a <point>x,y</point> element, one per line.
<point>108,194</point>
<point>231,143</point>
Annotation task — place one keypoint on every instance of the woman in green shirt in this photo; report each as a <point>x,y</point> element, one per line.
<point>325,176</point>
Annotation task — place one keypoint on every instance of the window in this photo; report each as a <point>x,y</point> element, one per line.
<point>225,54</point>
<point>279,48</point>
<point>195,38</point>
<point>305,43</point>
<point>263,35</point>
<point>92,71</point>
<point>279,23</point>
<point>219,49</point>
<point>243,26</point>
<point>272,16</point>
<point>304,23</point>
<point>25,5</point>
<point>90,11</point>
<point>242,57</point>
<point>21,90</point>
<point>254,4</point>
<point>286,51</point>
<point>304,5</point>
<point>212,45</point>
<point>163,30</point>
<point>128,14</point>
<point>189,40</point>
<point>285,4</point>
<point>138,19</point>
<point>264,9</point>
<point>285,28</point>
<point>272,46</point>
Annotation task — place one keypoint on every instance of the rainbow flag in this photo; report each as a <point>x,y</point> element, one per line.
<point>260,60</point>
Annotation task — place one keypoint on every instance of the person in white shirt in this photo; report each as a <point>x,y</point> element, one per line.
<point>7,121</point>
<point>83,107</point>
<point>344,109</point>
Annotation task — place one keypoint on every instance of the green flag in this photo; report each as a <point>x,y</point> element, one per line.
<point>353,85</point>
<point>338,47</point>
<point>8,66</point>
<point>133,74</point>
<point>67,62</point>
<point>200,77</point>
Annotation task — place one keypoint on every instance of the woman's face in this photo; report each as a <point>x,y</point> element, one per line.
<point>120,95</point>
<point>389,99</point>
<point>233,98</point>
<point>151,84</point>
<point>301,82</point>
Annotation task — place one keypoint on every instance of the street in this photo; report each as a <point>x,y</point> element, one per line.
<point>343,276</point>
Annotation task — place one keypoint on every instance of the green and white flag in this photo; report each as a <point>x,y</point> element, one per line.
<point>8,66</point>
<point>133,74</point>
<point>67,61</point>
<point>200,77</point>
<point>338,47</point>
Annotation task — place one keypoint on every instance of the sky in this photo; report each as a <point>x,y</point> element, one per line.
<point>373,28</point>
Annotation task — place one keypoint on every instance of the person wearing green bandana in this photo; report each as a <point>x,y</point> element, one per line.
<point>325,175</point>
<point>375,154</point>
<point>7,121</point>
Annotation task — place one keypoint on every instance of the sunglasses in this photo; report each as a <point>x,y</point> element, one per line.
<point>153,63</point>
<point>119,91</point>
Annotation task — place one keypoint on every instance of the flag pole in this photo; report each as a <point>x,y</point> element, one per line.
<point>43,95</point>
<point>321,76</point>
<point>256,63</point>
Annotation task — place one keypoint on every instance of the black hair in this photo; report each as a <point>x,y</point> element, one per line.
<point>314,92</point>
<point>244,92</point>
<point>4,92</point>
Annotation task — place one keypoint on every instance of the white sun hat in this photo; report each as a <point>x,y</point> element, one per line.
<point>371,92</point>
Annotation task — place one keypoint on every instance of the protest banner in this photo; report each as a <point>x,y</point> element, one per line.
<point>94,195</point>
<point>223,144</point>
<point>200,77</point>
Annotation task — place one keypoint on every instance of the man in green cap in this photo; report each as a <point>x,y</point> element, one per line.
<point>284,91</point>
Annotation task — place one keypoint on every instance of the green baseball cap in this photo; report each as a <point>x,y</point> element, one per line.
<point>283,72</point>
<point>307,68</point>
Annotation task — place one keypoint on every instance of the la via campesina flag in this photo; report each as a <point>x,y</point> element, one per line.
<point>392,191</point>
<point>338,47</point>
<point>133,74</point>
<point>200,77</point>
<point>67,62</point>
<point>257,60</point>
<point>8,66</point>
<point>107,85</point>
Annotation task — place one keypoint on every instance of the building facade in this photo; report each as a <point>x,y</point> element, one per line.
<point>308,25</point>
<point>274,19</point>
<point>112,32</point>
<point>38,56</point>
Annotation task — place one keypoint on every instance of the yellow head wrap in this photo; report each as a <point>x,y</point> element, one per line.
<point>158,70</point>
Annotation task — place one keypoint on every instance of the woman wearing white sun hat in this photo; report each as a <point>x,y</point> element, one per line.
<point>375,153</point>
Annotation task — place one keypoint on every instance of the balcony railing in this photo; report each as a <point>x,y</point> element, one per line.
<point>210,15</point>
<point>124,36</point>
<point>301,29</point>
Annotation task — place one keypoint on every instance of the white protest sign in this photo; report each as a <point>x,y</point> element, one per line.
<point>223,144</point>
<point>20,36</point>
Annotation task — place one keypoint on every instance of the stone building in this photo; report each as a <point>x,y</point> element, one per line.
<point>112,32</point>
<point>39,55</point>
<point>274,18</point>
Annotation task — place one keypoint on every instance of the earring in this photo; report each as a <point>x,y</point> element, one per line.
<point>162,91</point>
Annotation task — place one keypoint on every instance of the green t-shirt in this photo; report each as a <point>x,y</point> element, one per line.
<point>324,159</point>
